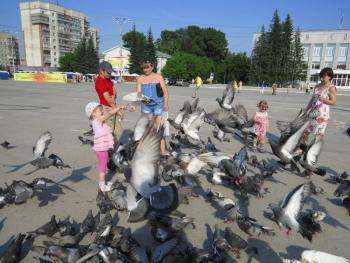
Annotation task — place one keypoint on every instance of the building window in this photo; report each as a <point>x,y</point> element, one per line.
<point>341,66</point>
<point>345,36</point>
<point>328,65</point>
<point>315,65</point>
<point>314,78</point>
<point>317,53</point>
<point>342,55</point>
<point>332,36</point>
<point>329,53</point>
<point>307,36</point>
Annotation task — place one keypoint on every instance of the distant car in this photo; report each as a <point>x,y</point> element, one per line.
<point>182,83</point>
<point>170,82</point>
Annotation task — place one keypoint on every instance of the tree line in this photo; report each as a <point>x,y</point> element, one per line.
<point>277,55</point>
<point>83,59</point>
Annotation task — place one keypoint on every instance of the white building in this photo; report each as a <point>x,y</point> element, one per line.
<point>326,48</point>
<point>50,31</point>
<point>118,56</point>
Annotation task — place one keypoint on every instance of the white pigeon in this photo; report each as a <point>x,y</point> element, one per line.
<point>42,144</point>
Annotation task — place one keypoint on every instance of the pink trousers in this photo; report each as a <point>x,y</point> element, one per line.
<point>102,161</point>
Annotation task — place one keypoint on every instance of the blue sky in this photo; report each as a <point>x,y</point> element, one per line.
<point>238,19</point>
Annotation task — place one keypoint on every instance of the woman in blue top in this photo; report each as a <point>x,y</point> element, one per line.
<point>152,85</point>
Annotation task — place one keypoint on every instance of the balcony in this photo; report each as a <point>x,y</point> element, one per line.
<point>39,19</point>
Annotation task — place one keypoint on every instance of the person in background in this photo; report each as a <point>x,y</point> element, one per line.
<point>289,88</point>
<point>261,125</point>
<point>106,93</point>
<point>199,83</point>
<point>152,85</point>
<point>274,89</point>
<point>240,85</point>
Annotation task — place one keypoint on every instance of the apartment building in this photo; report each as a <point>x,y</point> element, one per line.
<point>9,54</point>
<point>50,31</point>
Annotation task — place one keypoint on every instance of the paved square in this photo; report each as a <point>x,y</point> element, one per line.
<point>27,109</point>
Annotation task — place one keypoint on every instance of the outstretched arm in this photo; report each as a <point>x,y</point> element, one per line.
<point>165,92</point>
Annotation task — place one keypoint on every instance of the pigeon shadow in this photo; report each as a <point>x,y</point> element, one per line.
<point>2,223</point>
<point>15,167</point>
<point>328,219</point>
<point>329,170</point>
<point>292,252</point>
<point>207,244</point>
<point>77,175</point>
<point>5,246</point>
<point>336,201</point>
<point>265,253</point>
<point>48,195</point>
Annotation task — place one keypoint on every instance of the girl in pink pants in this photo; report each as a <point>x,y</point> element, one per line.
<point>103,138</point>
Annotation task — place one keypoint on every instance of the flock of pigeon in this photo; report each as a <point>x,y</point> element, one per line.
<point>155,186</point>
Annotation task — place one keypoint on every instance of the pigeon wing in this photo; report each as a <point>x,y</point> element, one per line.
<point>314,151</point>
<point>143,164</point>
<point>41,144</point>
<point>292,205</point>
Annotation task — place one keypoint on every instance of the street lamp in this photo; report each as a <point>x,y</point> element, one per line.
<point>121,21</point>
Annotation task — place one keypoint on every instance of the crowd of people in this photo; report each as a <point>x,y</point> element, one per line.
<point>106,115</point>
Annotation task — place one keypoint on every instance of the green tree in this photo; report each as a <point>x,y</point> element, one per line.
<point>80,54</point>
<point>67,62</point>
<point>150,51</point>
<point>187,66</point>
<point>286,51</point>
<point>259,70</point>
<point>237,67</point>
<point>205,42</point>
<point>92,57</point>
<point>274,50</point>
<point>136,43</point>
<point>298,65</point>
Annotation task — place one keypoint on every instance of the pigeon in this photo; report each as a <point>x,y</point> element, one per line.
<point>89,223</point>
<point>144,164</point>
<point>42,144</point>
<point>220,246</point>
<point>250,227</point>
<point>343,189</point>
<point>192,125</point>
<point>41,161</point>
<point>103,202</point>
<point>6,145</point>
<point>288,211</point>
<point>284,149</point>
<point>224,203</point>
<point>315,256</point>
<point>235,241</point>
<point>210,146</point>
<point>228,95</point>
<point>310,222</point>
<point>164,249</point>
<point>13,253</point>
<point>287,129</point>
<point>48,229</point>
<point>86,141</point>
<point>338,178</point>
<point>141,127</point>
<point>137,208</point>
<point>69,255</point>
<point>310,158</point>
<point>195,164</point>
<point>67,227</point>
<point>18,192</point>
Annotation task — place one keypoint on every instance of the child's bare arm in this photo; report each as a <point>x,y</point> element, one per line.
<point>110,113</point>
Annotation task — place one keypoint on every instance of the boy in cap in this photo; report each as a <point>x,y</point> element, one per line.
<point>107,95</point>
